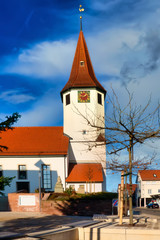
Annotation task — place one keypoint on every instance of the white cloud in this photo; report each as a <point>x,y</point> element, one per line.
<point>16,96</point>
<point>104,5</point>
<point>109,49</point>
<point>51,59</point>
<point>43,60</point>
<point>116,50</point>
<point>47,111</point>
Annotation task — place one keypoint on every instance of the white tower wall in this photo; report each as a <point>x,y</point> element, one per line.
<point>83,136</point>
<point>77,114</point>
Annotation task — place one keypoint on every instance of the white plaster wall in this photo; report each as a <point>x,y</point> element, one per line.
<point>153,185</point>
<point>33,164</point>
<point>75,114</point>
<point>82,152</point>
<point>95,187</point>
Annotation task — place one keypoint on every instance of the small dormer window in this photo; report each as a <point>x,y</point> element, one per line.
<point>154,175</point>
<point>81,63</point>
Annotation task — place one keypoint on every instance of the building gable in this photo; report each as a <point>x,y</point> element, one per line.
<point>150,175</point>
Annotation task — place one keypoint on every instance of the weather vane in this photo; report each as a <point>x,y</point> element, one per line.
<point>81,10</point>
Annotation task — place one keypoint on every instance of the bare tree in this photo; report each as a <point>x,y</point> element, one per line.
<point>125,127</point>
<point>89,175</point>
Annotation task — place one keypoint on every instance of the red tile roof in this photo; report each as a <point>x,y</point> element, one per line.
<point>85,172</point>
<point>134,186</point>
<point>150,175</point>
<point>82,76</point>
<point>34,141</point>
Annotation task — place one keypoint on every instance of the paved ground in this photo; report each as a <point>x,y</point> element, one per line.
<point>25,223</point>
<point>148,212</point>
<point>33,222</point>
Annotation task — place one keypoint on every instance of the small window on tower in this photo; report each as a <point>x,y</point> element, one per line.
<point>99,98</point>
<point>84,132</point>
<point>81,63</point>
<point>67,99</point>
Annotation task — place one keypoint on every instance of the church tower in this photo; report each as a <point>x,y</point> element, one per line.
<point>83,104</point>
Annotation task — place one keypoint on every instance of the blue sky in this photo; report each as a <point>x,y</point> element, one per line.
<point>37,45</point>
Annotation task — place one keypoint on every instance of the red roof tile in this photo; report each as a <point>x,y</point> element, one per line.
<point>150,175</point>
<point>34,141</point>
<point>82,76</point>
<point>134,186</point>
<point>85,172</point>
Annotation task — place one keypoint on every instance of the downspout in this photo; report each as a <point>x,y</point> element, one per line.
<point>64,172</point>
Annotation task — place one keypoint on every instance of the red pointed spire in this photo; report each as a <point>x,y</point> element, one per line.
<point>82,73</point>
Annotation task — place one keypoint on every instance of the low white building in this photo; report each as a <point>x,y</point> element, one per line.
<point>34,150</point>
<point>148,186</point>
<point>74,152</point>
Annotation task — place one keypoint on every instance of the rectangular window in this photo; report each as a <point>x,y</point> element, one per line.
<point>22,172</point>
<point>99,98</point>
<point>46,177</point>
<point>84,132</point>
<point>67,99</point>
<point>149,191</point>
<point>158,190</point>
<point>1,171</point>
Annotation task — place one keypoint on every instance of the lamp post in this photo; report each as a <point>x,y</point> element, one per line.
<point>39,190</point>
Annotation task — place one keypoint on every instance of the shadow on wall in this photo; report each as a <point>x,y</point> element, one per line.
<point>71,154</point>
<point>81,207</point>
<point>4,205</point>
<point>30,182</point>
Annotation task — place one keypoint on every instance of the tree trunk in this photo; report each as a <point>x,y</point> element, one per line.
<point>130,182</point>
<point>121,203</point>
<point>125,208</point>
<point>119,199</point>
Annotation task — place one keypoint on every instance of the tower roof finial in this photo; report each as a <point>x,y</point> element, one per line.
<point>81,10</point>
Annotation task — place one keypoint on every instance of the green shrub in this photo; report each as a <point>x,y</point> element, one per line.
<point>70,191</point>
<point>70,196</point>
<point>55,196</point>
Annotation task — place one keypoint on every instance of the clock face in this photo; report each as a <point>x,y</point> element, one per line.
<point>83,96</point>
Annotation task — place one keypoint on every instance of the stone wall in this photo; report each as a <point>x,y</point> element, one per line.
<point>29,202</point>
<point>76,207</point>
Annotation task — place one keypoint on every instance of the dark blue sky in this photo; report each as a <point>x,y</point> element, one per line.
<point>37,44</point>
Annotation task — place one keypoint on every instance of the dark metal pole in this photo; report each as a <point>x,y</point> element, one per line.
<point>40,190</point>
<point>80,23</point>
